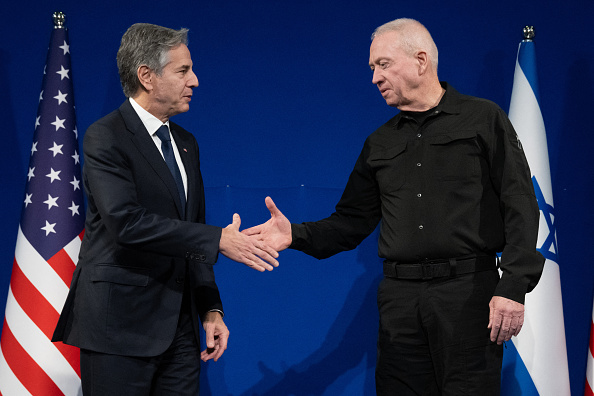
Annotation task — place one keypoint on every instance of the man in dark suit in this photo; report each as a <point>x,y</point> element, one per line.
<point>144,275</point>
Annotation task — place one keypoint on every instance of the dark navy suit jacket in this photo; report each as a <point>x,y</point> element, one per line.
<point>137,252</point>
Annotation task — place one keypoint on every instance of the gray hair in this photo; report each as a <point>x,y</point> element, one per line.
<point>149,45</point>
<point>412,36</point>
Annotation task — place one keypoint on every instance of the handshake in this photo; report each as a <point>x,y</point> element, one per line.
<point>257,247</point>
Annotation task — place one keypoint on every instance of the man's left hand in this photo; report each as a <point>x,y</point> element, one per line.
<point>506,318</point>
<point>217,335</point>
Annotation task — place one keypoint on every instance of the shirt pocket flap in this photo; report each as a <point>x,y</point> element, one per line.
<point>389,168</point>
<point>134,276</point>
<point>452,137</point>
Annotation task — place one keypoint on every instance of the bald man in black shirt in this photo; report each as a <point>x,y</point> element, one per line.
<point>450,183</point>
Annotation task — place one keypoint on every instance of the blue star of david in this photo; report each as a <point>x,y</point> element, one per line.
<point>549,214</point>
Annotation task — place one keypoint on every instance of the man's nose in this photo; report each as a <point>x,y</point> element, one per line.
<point>193,81</point>
<point>376,78</point>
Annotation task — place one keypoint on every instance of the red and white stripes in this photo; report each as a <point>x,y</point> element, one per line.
<point>30,364</point>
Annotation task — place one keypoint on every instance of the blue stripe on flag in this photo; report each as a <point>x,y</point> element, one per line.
<point>515,377</point>
<point>527,61</point>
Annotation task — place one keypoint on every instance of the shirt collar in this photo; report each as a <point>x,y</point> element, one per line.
<point>449,103</point>
<point>150,122</point>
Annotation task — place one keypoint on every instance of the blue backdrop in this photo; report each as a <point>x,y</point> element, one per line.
<point>284,104</point>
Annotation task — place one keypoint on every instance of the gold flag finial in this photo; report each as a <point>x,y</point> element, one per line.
<point>59,20</point>
<point>528,33</point>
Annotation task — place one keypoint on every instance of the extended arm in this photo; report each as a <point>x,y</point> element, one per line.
<point>356,216</point>
<point>139,216</point>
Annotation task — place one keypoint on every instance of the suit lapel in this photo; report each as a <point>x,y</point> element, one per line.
<point>145,144</point>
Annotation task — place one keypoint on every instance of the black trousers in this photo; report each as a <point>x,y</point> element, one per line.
<point>433,337</point>
<point>176,372</point>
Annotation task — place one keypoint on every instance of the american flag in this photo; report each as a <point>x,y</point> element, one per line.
<point>48,241</point>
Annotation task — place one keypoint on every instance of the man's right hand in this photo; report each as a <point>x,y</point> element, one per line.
<point>246,249</point>
<point>276,232</point>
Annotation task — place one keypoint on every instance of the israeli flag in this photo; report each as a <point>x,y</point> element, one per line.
<point>535,362</point>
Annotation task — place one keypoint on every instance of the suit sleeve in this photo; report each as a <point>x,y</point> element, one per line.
<point>113,173</point>
<point>206,291</point>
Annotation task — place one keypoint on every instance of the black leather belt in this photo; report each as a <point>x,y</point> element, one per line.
<point>438,268</point>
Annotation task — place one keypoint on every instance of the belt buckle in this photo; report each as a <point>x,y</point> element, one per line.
<point>426,271</point>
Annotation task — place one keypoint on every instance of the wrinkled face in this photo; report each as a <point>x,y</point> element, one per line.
<point>395,72</point>
<point>172,90</point>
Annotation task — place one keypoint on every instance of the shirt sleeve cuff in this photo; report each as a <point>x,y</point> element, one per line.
<point>513,290</point>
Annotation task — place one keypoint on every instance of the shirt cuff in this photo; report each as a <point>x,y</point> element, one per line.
<point>219,311</point>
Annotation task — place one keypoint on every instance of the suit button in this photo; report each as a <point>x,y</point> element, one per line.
<point>202,257</point>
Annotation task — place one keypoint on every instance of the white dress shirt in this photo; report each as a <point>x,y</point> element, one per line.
<point>152,124</point>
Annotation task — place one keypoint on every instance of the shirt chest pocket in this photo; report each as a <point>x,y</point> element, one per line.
<point>454,156</point>
<point>390,167</point>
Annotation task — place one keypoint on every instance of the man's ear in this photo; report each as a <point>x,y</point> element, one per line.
<point>423,61</point>
<point>145,76</point>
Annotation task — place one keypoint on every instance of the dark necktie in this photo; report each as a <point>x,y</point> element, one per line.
<point>167,149</point>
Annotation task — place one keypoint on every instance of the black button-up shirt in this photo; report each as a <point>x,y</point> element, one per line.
<point>456,185</point>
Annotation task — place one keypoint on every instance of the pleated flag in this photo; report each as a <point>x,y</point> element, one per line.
<point>48,241</point>
<point>536,361</point>
<point>590,365</point>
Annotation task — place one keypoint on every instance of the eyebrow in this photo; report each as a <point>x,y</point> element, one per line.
<point>378,60</point>
<point>383,58</point>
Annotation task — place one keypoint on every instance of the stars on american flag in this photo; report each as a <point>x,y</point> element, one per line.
<point>51,201</point>
<point>56,149</point>
<point>63,73</point>
<point>49,228</point>
<point>75,183</point>
<point>53,198</point>
<point>59,123</point>
<point>65,47</point>
<point>61,97</point>
<point>74,209</point>
<point>54,175</point>
<point>28,199</point>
